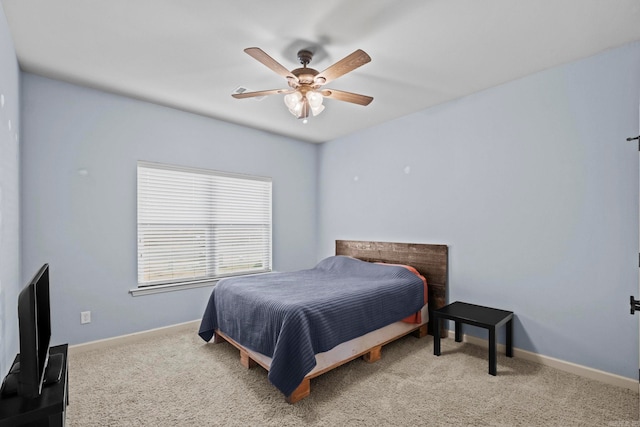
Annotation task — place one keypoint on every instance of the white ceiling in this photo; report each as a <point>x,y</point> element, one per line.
<point>188,54</point>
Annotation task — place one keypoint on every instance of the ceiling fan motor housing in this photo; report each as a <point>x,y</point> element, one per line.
<point>305,76</point>
<point>305,57</point>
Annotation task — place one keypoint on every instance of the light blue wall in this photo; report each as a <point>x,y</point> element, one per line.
<point>533,187</point>
<point>9,197</point>
<point>85,225</point>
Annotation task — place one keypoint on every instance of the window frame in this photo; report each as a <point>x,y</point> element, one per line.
<point>225,215</point>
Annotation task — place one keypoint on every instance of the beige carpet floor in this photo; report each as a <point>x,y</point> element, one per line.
<point>179,380</point>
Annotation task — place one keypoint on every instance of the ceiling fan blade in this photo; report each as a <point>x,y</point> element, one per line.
<point>260,93</point>
<point>265,59</point>
<point>341,95</point>
<point>342,67</point>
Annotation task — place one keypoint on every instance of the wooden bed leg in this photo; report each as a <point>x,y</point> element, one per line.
<point>217,338</point>
<point>421,332</point>
<point>303,390</point>
<point>246,361</point>
<point>374,355</point>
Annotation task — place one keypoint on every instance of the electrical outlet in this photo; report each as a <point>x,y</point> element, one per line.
<point>85,317</point>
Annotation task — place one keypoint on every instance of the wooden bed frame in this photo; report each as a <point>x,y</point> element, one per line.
<point>430,260</point>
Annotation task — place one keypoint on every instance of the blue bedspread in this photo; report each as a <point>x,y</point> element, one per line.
<point>291,317</point>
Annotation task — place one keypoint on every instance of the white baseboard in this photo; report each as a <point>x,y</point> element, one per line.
<point>573,368</point>
<point>583,371</point>
<point>130,338</point>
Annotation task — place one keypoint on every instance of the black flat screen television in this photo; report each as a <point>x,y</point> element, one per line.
<point>34,322</point>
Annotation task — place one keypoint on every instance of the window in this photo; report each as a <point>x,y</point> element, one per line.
<point>197,225</point>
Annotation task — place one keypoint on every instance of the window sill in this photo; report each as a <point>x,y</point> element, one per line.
<point>158,289</point>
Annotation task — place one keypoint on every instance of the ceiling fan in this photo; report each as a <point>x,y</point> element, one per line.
<point>306,91</point>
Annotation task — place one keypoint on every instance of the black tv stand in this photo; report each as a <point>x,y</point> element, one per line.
<point>49,408</point>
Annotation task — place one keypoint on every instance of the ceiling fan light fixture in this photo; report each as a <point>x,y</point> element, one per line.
<point>315,102</point>
<point>300,105</point>
<point>297,110</point>
<point>315,99</point>
<point>295,104</point>
<point>291,100</point>
<point>317,110</point>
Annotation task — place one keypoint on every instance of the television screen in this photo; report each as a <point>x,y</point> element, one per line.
<point>34,319</point>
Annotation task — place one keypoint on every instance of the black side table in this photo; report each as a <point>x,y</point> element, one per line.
<point>476,315</point>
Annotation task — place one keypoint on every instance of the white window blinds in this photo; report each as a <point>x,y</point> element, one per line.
<point>196,224</point>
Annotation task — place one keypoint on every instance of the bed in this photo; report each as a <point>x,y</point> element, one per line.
<point>311,338</point>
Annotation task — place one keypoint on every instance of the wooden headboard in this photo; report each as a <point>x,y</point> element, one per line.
<point>430,260</point>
